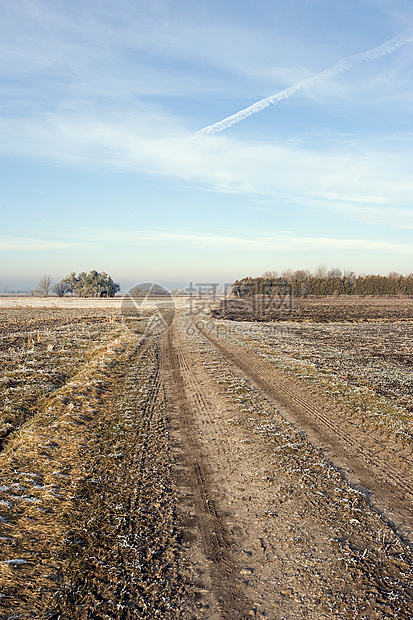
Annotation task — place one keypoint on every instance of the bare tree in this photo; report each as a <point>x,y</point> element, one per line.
<point>43,286</point>
<point>334,272</point>
<point>301,274</point>
<point>321,271</point>
<point>61,288</point>
<point>287,275</point>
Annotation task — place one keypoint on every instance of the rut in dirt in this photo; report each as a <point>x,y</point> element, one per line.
<point>167,482</point>
<point>385,478</point>
<point>105,542</point>
<point>315,547</point>
<point>227,592</point>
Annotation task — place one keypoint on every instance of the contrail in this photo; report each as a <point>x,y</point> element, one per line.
<point>343,65</point>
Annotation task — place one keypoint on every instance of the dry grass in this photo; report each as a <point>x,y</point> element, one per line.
<point>41,466</point>
<point>86,500</point>
<point>40,351</point>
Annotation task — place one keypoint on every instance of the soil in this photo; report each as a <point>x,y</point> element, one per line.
<point>186,474</point>
<point>317,309</point>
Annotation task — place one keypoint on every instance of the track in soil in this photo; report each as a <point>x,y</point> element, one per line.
<point>275,530</point>
<point>384,476</point>
<point>186,491</point>
<point>228,597</point>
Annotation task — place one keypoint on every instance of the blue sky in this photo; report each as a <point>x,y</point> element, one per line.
<point>102,166</point>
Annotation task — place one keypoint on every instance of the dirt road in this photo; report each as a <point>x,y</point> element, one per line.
<point>273,527</point>
<point>182,474</point>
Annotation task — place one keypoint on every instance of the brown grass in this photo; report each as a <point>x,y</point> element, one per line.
<point>87,519</point>
<point>41,467</point>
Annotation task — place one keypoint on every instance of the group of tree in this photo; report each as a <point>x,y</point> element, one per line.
<point>92,284</point>
<point>333,282</point>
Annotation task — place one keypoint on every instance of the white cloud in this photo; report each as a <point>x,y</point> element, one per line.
<point>124,50</point>
<point>312,82</point>
<point>376,210</point>
<point>70,65</point>
<point>82,55</point>
<point>23,244</point>
<point>369,183</point>
<point>277,242</point>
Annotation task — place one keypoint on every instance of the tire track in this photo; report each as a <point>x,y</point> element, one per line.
<point>306,543</point>
<point>346,442</point>
<point>200,401</point>
<point>139,450</point>
<point>126,516</point>
<point>231,601</point>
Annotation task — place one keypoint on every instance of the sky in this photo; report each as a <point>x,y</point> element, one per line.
<point>113,154</point>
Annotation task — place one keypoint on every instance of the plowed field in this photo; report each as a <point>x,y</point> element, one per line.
<point>207,469</point>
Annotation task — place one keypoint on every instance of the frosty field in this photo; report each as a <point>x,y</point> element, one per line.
<point>205,468</point>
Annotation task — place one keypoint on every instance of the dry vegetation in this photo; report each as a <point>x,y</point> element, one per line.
<point>40,350</point>
<point>317,310</point>
<point>365,369</point>
<point>101,427</point>
<point>86,504</point>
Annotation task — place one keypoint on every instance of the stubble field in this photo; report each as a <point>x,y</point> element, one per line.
<point>206,468</point>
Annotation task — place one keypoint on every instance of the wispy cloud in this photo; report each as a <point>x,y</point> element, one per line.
<point>340,178</point>
<point>374,210</point>
<point>283,241</point>
<point>119,87</point>
<point>255,242</point>
<point>345,64</point>
<point>33,244</point>
<point>57,54</point>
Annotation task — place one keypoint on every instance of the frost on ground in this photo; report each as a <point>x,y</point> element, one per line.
<point>149,475</point>
<point>365,369</point>
<point>86,502</point>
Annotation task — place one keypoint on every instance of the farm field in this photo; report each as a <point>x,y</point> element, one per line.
<point>317,309</point>
<point>108,303</point>
<point>205,467</point>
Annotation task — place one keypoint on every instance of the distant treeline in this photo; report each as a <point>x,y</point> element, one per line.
<point>302,284</point>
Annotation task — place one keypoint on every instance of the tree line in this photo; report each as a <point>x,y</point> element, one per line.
<point>92,284</point>
<point>303,283</point>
